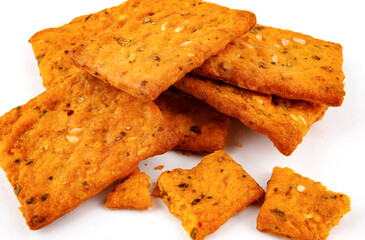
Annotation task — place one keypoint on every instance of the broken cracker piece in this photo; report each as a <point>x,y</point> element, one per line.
<point>160,43</point>
<point>200,127</point>
<point>133,193</point>
<point>52,45</point>
<point>71,142</point>
<point>285,122</point>
<point>284,63</point>
<point>296,207</point>
<point>206,196</point>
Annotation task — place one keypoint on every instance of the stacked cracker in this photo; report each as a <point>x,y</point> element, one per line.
<point>96,121</point>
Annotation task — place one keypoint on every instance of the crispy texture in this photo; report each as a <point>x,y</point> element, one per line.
<point>285,122</point>
<point>133,193</point>
<point>160,43</point>
<point>205,197</point>
<point>200,127</point>
<point>299,208</point>
<point>281,62</point>
<point>71,142</point>
<point>52,45</point>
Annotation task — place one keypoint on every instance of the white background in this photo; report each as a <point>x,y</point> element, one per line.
<point>332,152</point>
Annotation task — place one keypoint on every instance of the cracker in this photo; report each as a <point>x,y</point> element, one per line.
<point>285,122</point>
<point>133,193</point>
<point>51,46</point>
<point>160,43</point>
<point>297,207</point>
<point>200,127</point>
<point>205,197</point>
<point>281,62</point>
<point>71,142</point>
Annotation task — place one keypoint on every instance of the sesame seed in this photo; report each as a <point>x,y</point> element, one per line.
<point>259,36</point>
<point>300,188</point>
<point>163,26</point>
<point>72,139</point>
<point>81,99</point>
<point>179,29</point>
<point>191,54</point>
<point>299,40</point>
<point>275,58</point>
<point>185,43</point>
<point>75,131</point>
<point>308,216</point>
<point>142,151</point>
<point>302,118</point>
<point>284,41</point>
<point>294,117</point>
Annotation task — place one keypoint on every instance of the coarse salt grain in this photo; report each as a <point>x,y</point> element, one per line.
<point>284,41</point>
<point>179,29</point>
<point>300,188</point>
<point>299,40</point>
<point>72,139</point>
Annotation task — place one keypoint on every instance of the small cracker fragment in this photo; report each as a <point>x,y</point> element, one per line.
<point>296,207</point>
<point>52,45</point>
<point>281,62</point>
<point>200,127</point>
<point>206,196</point>
<point>160,43</point>
<point>133,193</point>
<point>74,140</point>
<point>285,122</point>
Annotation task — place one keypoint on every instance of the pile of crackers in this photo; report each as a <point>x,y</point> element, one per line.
<point>145,77</point>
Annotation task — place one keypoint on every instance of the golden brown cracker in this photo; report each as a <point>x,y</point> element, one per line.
<point>52,45</point>
<point>133,193</point>
<point>297,207</point>
<point>71,142</point>
<point>281,62</point>
<point>285,122</point>
<point>200,127</point>
<point>206,196</point>
<point>160,43</point>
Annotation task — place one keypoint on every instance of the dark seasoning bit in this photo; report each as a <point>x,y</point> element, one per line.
<point>195,201</point>
<point>195,129</point>
<point>193,233</point>
<point>279,213</point>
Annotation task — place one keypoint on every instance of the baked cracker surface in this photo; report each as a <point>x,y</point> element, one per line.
<point>160,43</point>
<point>206,196</point>
<point>200,127</point>
<point>281,62</point>
<point>71,142</point>
<point>133,193</point>
<point>297,207</point>
<point>285,122</point>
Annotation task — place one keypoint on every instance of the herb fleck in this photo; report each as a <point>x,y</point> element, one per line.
<point>316,58</point>
<point>85,185</point>
<point>30,162</point>
<point>193,233</point>
<point>195,129</point>
<point>44,197</point>
<point>262,65</point>
<point>30,201</point>
<point>39,58</point>
<point>42,220</point>
<point>143,83</point>
<point>87,18</point>
<point>17,160</point>
<point>329,197</point>
<point>50,178</point>
<point>17,190</point>
<point>279,213</point>
<point>195,201</point>
<point>157,58</point>
<point>183,185</point>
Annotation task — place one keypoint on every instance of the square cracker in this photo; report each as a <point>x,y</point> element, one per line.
<point>71,142</point>
<point>133,193</point>
<point>285,122</point>
<point>160,43</point>
<point>281,62</point>
<point>52,45</point>
<point>206,196</point>
<point>299,208</point>
<point>200,127</point>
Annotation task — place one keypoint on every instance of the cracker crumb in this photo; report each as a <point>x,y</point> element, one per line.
<point>159,167</point>
<point>186,153</point>
<point>300,188</point>
<point>239,145</point>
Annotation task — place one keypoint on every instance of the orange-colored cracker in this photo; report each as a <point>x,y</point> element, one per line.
<point>200,127</point>
<point>285,122</point>
<point>281,62</point>
<point>52,45</point>
<point>133,193</point>
<point>71,142</point>
<point>296,207</point>
<point>206,196</point>
<point>160,43</point>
